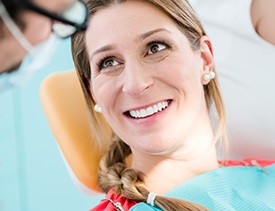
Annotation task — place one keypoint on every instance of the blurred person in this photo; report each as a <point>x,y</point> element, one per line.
<point>29,32</point>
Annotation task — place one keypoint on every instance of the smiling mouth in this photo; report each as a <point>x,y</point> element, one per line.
<point>149,111</point>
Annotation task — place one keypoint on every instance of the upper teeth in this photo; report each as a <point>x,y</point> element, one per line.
<point>149,110</point>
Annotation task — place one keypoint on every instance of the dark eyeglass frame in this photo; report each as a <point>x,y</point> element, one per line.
<point>26,4</point>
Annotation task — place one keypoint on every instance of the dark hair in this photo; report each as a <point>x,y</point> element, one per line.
<point>14,10</point>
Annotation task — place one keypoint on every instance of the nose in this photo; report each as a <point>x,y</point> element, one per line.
<point>138,78</point>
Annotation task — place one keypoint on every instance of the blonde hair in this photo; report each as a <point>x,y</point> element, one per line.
<point>113,171</point>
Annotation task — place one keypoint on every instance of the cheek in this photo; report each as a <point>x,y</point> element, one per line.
<point>103,90</point>
<point>38,28</point>
<point>11,53</point>
<point>179,71</point>
<point>185,78</point>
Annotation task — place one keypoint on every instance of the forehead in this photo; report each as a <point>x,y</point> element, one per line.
<point>53,5</point>
<point>127,19</point>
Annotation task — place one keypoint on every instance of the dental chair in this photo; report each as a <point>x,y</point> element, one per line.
<point>64,105</point>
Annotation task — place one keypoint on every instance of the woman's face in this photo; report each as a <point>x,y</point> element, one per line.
<point>145,76</point>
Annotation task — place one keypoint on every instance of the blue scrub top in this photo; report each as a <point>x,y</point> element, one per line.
<point>239,188</point>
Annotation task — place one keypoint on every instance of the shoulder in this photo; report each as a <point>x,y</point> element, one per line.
<point>249,162</point>
<point>263,17</point>
<point>113,200</point>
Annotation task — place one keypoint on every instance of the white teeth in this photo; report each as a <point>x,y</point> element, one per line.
<point>143,113</point>
<point>149,111</point>
<point>133,114</point>
<point>160,106</point>
<point>155,108</point>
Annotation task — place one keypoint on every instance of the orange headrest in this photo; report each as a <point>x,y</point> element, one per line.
<point>66,111</point>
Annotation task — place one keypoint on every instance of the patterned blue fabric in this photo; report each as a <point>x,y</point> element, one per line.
<point>227,189</point>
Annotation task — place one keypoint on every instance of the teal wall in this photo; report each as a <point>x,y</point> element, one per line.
<point>32,173</point>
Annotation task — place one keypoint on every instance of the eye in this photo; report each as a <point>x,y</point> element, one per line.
<point>107,62</point>
<point>155,47</point>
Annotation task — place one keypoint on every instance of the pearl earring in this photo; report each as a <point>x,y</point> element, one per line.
<point>97,108</point>
<point>209,76</point>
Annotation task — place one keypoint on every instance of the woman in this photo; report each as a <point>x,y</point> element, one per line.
<point>147,67</point>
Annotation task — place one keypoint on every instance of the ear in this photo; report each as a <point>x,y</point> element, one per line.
<point>206,53</point>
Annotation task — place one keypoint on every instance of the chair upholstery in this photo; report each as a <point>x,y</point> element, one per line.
<point>64,105</point>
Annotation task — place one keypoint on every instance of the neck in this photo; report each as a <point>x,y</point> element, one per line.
<point>163,174</point>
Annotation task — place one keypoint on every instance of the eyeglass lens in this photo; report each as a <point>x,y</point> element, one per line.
<point>76,13</point>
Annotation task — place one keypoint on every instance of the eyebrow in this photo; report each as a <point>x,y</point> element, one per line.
<point>140,38</point>
<point>149,33</point>
<point>102,49</point>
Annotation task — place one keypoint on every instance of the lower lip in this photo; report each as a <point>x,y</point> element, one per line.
<point>150,120</point>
